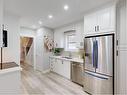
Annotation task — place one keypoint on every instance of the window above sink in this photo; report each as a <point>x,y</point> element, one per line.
<point>70,41</point>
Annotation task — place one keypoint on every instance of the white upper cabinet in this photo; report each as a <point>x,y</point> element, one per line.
<point>106,20</point>
<point>100,21</point>
<point>79,27</point>
<point>59,39</point>
<point>90,23</point>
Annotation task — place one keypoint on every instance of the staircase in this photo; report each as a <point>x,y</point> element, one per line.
<point>26,43</point>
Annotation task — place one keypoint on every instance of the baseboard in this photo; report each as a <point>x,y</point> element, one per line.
<point>46,71</point>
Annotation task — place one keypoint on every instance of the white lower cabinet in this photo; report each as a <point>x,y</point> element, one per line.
<point>52,63</point>
<point>61,67</point>
<point>66,69</point>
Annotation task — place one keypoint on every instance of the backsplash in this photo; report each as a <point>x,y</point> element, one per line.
<point>78,54</point>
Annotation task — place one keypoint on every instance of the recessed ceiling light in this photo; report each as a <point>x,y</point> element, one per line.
<point>50,16</point>
<point>66,7</point>
<point>40,22</point>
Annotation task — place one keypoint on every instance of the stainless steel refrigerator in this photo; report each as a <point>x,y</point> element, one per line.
<point>99,64</point>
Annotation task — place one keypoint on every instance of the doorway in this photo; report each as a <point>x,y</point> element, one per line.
<point>27,51</point>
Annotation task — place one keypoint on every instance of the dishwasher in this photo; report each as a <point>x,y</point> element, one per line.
<point>76,73</point>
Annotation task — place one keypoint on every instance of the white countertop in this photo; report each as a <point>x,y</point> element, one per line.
<point>78,60</point>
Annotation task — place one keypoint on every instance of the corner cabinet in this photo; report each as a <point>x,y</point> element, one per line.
<point>100,21</point>
<point>61,67</point>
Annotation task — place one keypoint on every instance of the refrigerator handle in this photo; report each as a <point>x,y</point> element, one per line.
<point>97,76</point>
<point>93,59</point>
<point>95,54</point>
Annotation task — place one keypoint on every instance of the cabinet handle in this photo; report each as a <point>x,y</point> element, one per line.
<point>117,53</point>
<point>95,28</point>
<point>117,43</point>
<point>98,28</point>
<point>62,62</point>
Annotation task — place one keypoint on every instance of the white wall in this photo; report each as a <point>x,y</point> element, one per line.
<point>12,52</point>
<point>27,32</point>
<point>1,21</point>
<point>42,56</point>
<point>59,33</point>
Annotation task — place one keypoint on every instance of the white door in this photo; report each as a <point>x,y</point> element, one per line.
<point>90,21</point>
<point>106,20</point>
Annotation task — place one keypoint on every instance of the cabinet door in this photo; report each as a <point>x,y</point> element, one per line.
<point>58,66</point>
<point>122,72</point>
<point>79,34</point>
<point>106,20</point>
<point>52,64</point>
<point>90,21</point>
<point>59,39</point>
<point>66,69</point>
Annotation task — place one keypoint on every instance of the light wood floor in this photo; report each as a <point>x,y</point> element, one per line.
<point>36,83</point>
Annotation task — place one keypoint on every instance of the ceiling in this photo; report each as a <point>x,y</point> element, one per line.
<point>32,11</point>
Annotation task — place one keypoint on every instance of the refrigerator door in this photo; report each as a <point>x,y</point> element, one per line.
<point>97,84</point>
<point>88,61</point>
<point>104,64</point>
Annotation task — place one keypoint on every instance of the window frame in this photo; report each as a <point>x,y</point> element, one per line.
<point>66,35</point>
